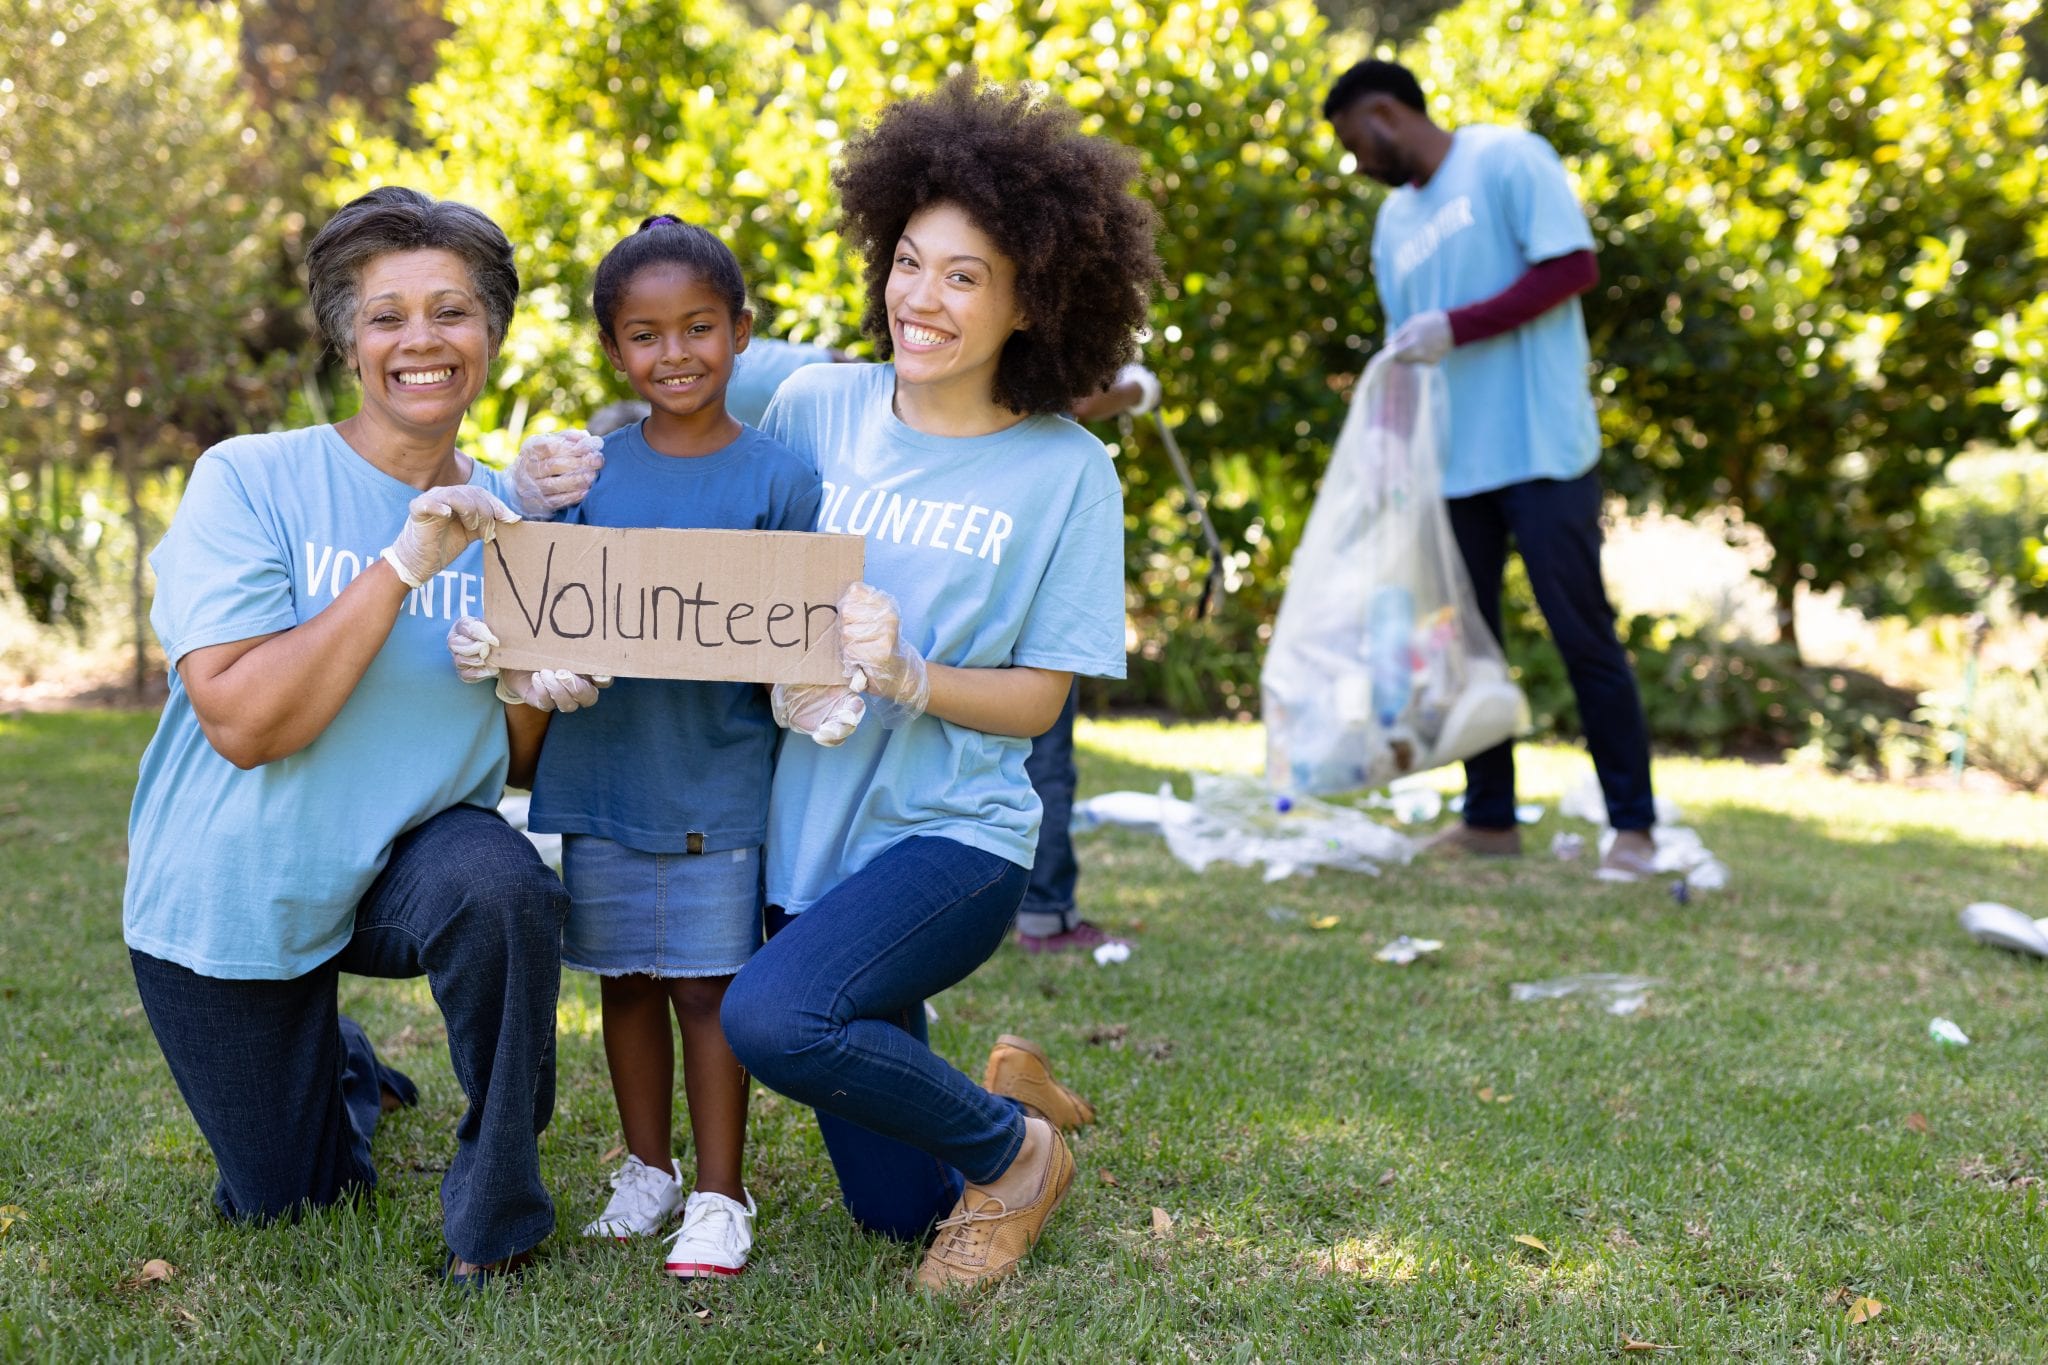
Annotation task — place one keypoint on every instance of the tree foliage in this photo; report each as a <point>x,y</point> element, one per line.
<point>134,263</point>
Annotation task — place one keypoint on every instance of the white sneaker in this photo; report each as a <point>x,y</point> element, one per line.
<point>716,1235</point>
<point>643,1200</point>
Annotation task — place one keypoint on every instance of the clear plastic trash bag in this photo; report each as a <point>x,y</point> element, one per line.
<point>1380,664</point>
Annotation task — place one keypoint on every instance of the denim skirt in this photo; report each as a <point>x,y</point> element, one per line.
<point>634,913</point>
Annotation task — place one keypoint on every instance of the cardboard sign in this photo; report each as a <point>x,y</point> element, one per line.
<point>726,606</point>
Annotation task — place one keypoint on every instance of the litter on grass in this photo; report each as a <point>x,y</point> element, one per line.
<point>1132,810</point>
<point>1567,847</point>
<point>1945,1033</point>
<point>1237,819</point>
<point>2001,926</point>
<point>1113,951</point>
<point>1623,994</point>
<point>1405,950</point>
<point>1411,801</point>
<point>1280,914</point>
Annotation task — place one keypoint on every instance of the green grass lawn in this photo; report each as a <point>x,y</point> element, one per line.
<point>1773,1137</point>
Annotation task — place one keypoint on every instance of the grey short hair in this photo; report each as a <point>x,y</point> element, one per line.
<point>397,219</point>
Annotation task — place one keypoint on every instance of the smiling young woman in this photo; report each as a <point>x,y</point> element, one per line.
<point>1008,272</point>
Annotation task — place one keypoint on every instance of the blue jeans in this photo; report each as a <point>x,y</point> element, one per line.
<point>1556,526</point>
<point>285,1089</point>
<point>830,1012</point>
<point>1048,906</point>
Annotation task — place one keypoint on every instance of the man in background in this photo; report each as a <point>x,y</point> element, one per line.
<point>1480,253</point>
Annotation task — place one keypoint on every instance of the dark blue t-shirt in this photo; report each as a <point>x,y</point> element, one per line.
<point>657,760</point>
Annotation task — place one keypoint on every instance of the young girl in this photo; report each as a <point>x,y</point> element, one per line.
<point>661,791</point>
<point>1008,269</point>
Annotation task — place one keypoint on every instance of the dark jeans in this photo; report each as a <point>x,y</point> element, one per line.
<point>285,1088</point>
<point>1048,906</point>
<point>830,1012</point>
<point>1556,527</point>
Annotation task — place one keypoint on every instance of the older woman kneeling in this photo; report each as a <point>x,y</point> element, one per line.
<point>320,794</point>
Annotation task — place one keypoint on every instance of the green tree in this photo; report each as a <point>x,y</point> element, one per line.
<point>134,256</point>
<point>1813,215</point>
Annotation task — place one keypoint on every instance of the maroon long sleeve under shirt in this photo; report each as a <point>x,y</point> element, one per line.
<point>1541,288</point>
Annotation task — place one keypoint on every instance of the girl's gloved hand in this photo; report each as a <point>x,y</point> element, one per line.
<point>827,712</point>
<point>470,643</point>
<point>878,661</point>
<point>549,689</point>
<point>439,525</point>
<point>555,470</point>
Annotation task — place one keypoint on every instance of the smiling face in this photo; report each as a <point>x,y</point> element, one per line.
<point>674,337</point>
<point>421,343</point>
<point>952,302</point>
<point>1369,129</point>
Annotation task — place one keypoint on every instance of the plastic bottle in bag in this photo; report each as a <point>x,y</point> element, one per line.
<point>1389,635</point>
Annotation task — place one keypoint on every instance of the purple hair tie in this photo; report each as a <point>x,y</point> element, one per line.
<point>659,219</point>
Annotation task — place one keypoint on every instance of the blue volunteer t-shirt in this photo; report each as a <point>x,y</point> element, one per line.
<point>256,874</point>
<point>656,759</point>
<point>1000,550</point>
<point>758,372</point>
<point>1521,408</point>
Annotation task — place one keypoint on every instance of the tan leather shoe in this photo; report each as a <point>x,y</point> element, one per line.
<point>1631,857</point>
<point>1466,841</point>
<point>1018,1068</point>
<point>984,1239</point>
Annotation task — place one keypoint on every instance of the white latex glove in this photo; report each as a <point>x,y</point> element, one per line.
<point>827,712</point>
<point>555,470</point>
<point>878,661</point>
<point>1424,339</point>
<point>470,643</point>
<point>439,525</point>
<point>549,689</point>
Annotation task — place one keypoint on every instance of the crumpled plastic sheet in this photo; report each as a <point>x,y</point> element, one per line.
<point>2001,926</point>
<point>1142,811</point>
<point>514,808</point>
<point>1624,994</point>
<point>1238,820</point>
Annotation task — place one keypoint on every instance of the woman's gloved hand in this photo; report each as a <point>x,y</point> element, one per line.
<point>555,470</point>
<point>470,643</point>
<point>879,662</point>
<point>439,525</point>
<point>827,712</point>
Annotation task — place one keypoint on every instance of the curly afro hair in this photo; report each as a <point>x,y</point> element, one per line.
<point>1054,200</point>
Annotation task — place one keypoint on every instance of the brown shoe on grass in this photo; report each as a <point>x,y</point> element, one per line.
<point>1630,858</point>
<point>984,1239</point>
<point>1019,1069</point>
<point>1469,841</point>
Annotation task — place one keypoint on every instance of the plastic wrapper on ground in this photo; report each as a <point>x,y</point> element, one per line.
<point>1238,820</point>
<point>1618,993</point>
<point>1131,810</point>
<point>2001,926</point>
<point>1380,664</point>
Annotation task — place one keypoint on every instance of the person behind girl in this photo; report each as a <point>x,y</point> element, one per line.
<point>661,792</point>
<point>1008,269</point>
